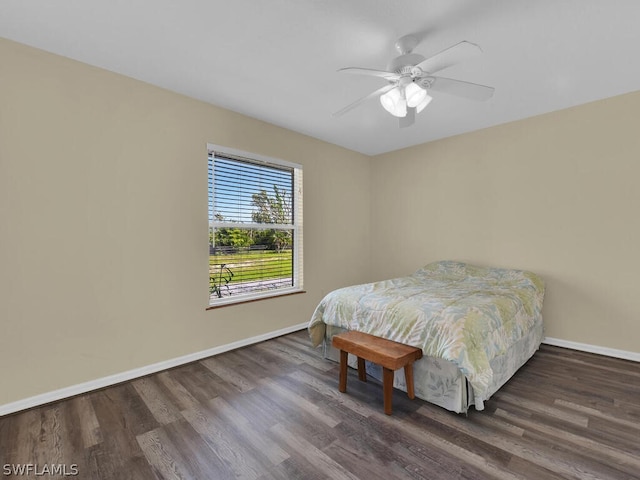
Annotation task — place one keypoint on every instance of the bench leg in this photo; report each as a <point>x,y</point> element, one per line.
<point>343,371</point>
<point>408,375</point>
<point>362,371</point>
<point>387,387</point>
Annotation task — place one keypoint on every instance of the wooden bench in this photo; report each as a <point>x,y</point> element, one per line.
<point>386,353</point>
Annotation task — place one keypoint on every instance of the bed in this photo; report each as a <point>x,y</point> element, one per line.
<point>475,325</point>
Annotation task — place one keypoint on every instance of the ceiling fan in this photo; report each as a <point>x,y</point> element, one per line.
<point>410,77</point>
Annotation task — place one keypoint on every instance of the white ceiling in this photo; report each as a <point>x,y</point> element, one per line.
<point>276,60</point>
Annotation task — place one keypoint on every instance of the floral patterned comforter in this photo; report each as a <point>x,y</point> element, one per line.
<point>466,314</point>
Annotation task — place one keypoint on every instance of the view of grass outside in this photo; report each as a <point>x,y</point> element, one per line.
<point>249,268</point>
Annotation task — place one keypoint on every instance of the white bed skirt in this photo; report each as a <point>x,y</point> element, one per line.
<point>440,381</point>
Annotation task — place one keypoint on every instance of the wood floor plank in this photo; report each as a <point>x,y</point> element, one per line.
<point>222,440</point>
<point>490,468</point>
<point>9,435</point>
<point>331,393</point>
<point>273,411</point>
<point>311,454</point>
<point>87,421</point>
<point>261,410</point>
<point>529,447</point>
<point>562,415</point>
<point>23,446</point>
<point>245,430</point>
<point>572,460</point>
<point>232,376</point>
<point>176,452</point>
<point>289,397</point>
<point>284,350</point>
<point>156,447</point>
<point>376,451</point>
<point>365,462</point>
<point>263,362</point>
<point>618,436</point>
<point>424,462</point>
<point>122,416</point>
<point>292,468</point>
<point>201,382</point>
<point>176,392</point>
<point>163,410</point>
<point>593,448</point>
<point>528,470</point>
<point>593,412</point>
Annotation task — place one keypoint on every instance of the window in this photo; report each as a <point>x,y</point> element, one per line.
<point>255,226</point>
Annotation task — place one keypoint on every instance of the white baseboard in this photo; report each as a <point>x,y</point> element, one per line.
<point>585,347</point>
<point>85,387</point>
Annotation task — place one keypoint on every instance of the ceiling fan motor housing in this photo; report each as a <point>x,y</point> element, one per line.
<point>404,63</point>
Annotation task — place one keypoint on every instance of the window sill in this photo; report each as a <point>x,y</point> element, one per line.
<point>228,302</point>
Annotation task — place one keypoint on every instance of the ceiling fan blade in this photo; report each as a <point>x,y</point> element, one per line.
<point>472,91</point>
<point>450,56</point>
<point>409,118</point>
<point>353,105</point>
<point>371,72</point>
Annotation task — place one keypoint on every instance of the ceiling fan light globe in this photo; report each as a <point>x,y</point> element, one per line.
<point>415,94</point>
<point>392,102</point>
<point>400,109</point>
<point>387,102</point>
<point>427,99</point>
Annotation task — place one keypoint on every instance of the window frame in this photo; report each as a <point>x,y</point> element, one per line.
<point>297,225</point>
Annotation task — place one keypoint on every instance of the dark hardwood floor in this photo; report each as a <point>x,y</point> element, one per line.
<point>273,411</point>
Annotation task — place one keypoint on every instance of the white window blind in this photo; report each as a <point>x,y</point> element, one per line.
<point>255,226</point>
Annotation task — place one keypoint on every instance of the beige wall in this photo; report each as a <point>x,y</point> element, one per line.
<point>103,223</point>
<point>557,194</point>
